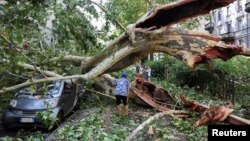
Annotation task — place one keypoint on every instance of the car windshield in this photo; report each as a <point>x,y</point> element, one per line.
<point>51,88</point>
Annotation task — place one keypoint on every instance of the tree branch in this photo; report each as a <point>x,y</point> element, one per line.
<point>151,119</point>
<point>169,14</point>
<point>104,10</point>
<point>31,67</point>
<point>103,94</point>
<point>6,39</point>
<point>113,45</point>
<point>17,75</point>
<point>78,60</point>
<point>31,82</point>
<point>21,53</point>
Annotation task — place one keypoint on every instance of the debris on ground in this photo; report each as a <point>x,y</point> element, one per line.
<point>147,93</point>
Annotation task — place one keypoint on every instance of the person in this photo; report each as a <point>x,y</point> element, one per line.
<point>145,73</point>
<point>137,69</point>
<point>122,86</point>
<point>141,70</point>
<point>149,73</point>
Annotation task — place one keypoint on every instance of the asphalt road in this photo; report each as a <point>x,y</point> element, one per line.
<point>4,133</point>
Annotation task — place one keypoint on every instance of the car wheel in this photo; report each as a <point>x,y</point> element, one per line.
<point>5,125</point>
<point>7,128</point>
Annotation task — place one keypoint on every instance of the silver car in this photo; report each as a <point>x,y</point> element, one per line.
<point>61,97</point>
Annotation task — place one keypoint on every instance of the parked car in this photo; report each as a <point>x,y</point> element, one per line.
<point>61,97</point>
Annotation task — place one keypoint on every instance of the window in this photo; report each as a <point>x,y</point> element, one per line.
<point>228,11</point>
<point>228,27</point>
<point>219,15</point>
<point>239,5</point>
<point>240,24</point>
<point>240,41</point>
<point>219,30</point>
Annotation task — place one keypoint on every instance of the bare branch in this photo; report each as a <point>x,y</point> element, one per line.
<point>151,119</point>
<point>5,38</point>
<point>71,58</point>
<point>169,14</point>
<point>20,76</point>
<point>31,82</point>
<point>103,94</point>
<point>31,67</point>
<point>113,45</point>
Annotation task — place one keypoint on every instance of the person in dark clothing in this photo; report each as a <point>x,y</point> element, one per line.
<point>137,69</point>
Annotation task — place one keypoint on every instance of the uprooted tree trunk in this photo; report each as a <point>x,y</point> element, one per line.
<point>152,33</point>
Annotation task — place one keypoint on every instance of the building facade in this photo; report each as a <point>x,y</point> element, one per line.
<point>232,23</point>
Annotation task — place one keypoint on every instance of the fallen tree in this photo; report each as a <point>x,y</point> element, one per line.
<point>144,92</point>
<point>152,33</point>
<point>214,113</point>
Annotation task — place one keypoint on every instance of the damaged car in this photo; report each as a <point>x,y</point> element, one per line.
<point>58,96</point>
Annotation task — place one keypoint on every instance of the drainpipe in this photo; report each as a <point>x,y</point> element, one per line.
<point>247,32</point>
<point>246,11</point>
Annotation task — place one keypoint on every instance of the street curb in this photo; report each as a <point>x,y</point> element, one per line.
<point>1,119</point>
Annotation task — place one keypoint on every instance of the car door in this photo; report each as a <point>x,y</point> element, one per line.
<point>68,97</point>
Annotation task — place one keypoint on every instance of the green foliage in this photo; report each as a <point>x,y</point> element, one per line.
<point>72,30</point>
<point>167,66</point>
<point>129,12</point>
<point>21,136</point>
<point>193,23</point>
<point>46,117</point>
<point>185,126</point>
<point>210,78</point>
<point>35,31</point>
<point>126,11</point>
<point>157,68</point>
<point>91,128</point>
<point>164,133</point>
<point>129,71</point>
<point>84,130</point>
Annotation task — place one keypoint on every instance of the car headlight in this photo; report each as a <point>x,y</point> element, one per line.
<point>13,103</point>
<point>51,102</point>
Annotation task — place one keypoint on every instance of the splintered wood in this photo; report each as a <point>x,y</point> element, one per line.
<point>148,94</point>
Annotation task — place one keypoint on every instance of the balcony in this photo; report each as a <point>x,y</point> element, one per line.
<point>247,7</point>
<point>209,26</point>
<point>229,36</point>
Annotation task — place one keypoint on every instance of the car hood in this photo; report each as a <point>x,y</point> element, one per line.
<point>33,103</point>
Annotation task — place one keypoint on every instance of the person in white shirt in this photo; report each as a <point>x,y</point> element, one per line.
<point>149,73</point>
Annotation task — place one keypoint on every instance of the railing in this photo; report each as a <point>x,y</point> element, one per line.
<point>228,35</point>
<point>209,26</point>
